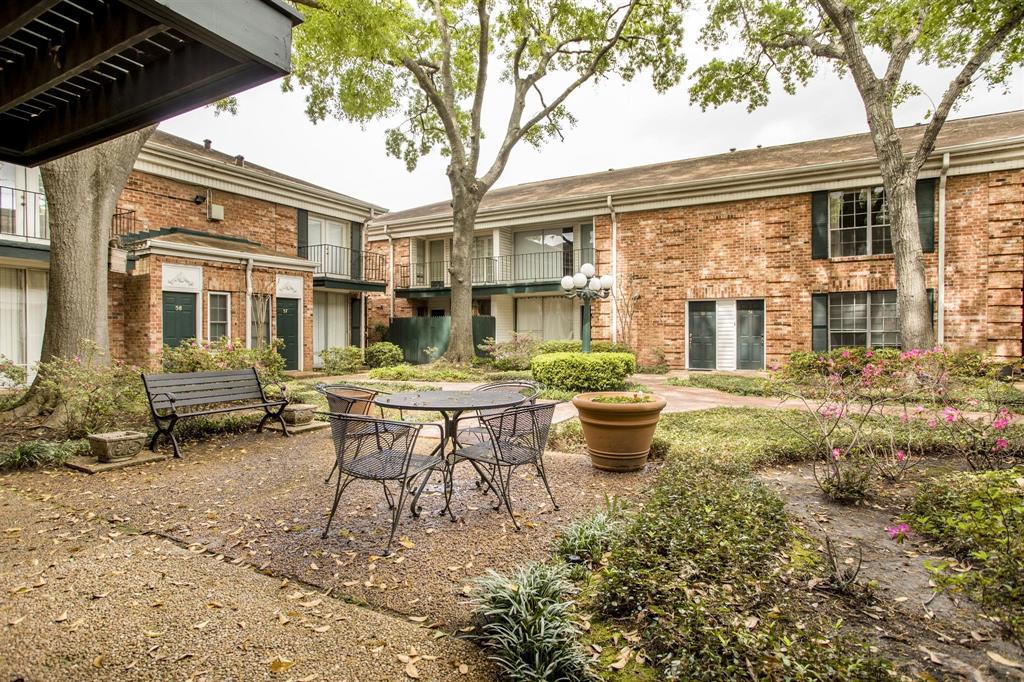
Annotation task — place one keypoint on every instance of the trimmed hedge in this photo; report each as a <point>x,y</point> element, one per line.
<point>383,354</point>
<point>582,372</point>
<point>576,346</point>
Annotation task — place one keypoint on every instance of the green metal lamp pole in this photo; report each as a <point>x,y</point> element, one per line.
<point>587,286</point>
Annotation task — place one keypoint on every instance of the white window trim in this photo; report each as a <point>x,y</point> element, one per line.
<point>210,307</point>
<point>868,227</point>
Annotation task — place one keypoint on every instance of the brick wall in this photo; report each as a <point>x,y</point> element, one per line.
<point>161,202</point>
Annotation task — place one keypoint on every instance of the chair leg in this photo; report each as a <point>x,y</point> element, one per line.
<point>544,477</point>
<point>506,494</point>
<point>395,515</point>
<point>414,506</point>
<point>333,469</point>
<point>338,490</point>
<point>448,474</point>
<point>387,495</point>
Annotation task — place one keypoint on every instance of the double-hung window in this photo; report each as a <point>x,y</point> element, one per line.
<point>858,223</point>
<point>863,318</point>
<point>218,315</point>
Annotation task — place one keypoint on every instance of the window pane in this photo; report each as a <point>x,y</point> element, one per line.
<point>848,319</point>
<point>848,223</point>
<point>12,315</point>
<point>881,234</point>
<point>885,321</point>
<point>218,316</point>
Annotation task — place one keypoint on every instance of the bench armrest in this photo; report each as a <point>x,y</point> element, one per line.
<point>280,385</point>
<point>170,398</point>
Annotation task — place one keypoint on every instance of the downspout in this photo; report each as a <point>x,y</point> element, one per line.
<point>391,272</point>
<point>615,265</point>
<point>248,303</point>
<point>942,248</point>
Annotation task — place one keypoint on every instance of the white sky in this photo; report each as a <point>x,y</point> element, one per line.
<point>620,125</point>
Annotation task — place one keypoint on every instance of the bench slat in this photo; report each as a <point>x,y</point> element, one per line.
<point>199,375</point>
<point>167,379</point>
<point>194,391</point>
<point>161,403</point>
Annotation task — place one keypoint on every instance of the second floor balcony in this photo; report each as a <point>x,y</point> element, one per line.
<point>23,215</point>
<point>519,268</point>
<point>344,263</point>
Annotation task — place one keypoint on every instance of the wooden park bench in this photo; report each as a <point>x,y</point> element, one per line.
<point>173,397</point>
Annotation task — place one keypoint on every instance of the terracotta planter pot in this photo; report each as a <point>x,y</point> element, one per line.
<point>618,435</point>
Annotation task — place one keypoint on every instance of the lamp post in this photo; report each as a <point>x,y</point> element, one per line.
<point>587,286</point>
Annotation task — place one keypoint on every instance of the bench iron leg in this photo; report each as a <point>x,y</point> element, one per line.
<point>165,430</point>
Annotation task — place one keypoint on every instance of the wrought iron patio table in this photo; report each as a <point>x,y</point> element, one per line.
<point>451,405</point>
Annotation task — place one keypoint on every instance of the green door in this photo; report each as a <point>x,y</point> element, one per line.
<point>750,334</point>
<point>702,335</point>
<point>288,330</point>
<point>179,317</point>
<point>355,319</point>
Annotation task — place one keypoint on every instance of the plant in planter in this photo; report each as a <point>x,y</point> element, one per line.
<point>619,427</point>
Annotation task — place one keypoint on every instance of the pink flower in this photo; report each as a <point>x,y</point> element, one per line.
<point>899,532</point>
<point>836,453</point>
<point>904,418</point>
<point>78,358</point>
<point>1000,423</point>
<point>869,354</point>
<point>932,423</point>
<point>1001,444</point>
<point>919,409</point>
<point>846,355</point>
<point>950,414</point>
<point>900,456</point>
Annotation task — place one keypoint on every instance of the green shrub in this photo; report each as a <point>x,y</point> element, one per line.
<point>383,354</point>
<point>225,353</point>
<point>11,374</point>
<point>341,360</point>
<point>737,384</point>
<point>438,371</point>
<point>93,395</point>
<point>41,453</point>
<point>575,346</point>
<point>513,354</point>
<point>528,626</point>
<point>979,517</point>
<point>583,372</point>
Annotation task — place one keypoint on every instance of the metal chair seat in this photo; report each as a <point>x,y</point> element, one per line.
<point>511,453</point>
<point>388,465</point>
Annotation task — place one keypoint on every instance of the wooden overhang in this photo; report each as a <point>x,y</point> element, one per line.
<point>74,73</point>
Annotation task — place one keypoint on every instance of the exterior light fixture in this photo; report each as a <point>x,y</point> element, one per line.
<point>587,286</point>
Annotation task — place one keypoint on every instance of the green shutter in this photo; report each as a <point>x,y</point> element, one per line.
<point>926,213</point>
<point>931,306</point>
<point>819,225</point>
<point>819,323</point>
<point>302,230</point>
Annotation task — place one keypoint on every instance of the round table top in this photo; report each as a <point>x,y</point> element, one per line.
<point>450,400</point>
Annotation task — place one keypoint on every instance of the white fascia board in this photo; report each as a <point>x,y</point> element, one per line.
<point>194,169</point>
<point>964,160</point>
<point>157,247</point>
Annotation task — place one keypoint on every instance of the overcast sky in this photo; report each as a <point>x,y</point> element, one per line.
<point>620,125</point>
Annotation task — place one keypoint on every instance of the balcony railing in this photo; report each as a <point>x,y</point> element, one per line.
<point>23,214</point>
<point>520,268</point>
<point>122,223</point>
<point>339,261</point>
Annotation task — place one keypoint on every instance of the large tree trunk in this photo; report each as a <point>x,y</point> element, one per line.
<point>81,195</point>
<point>899,177</point>
<point>464,209</point>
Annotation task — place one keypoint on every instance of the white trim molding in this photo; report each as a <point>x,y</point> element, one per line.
<point>159,247</point>
<point>184,279</point>
<point>291,287</point>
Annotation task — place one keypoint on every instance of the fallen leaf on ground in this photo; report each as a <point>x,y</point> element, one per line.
<point>411,671</point>
<point>278,664</point>
<point>1002,660</point>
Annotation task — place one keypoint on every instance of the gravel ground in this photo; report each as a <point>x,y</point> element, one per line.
<point>117,605</point>
<point>260,500</point>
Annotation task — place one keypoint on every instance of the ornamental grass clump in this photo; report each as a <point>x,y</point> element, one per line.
<point>527,624</point>
<point>41,453</point>
<point>585,541</point>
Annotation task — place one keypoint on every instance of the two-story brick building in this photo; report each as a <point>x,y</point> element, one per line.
<point>740,258</point>
<point>206,245</point>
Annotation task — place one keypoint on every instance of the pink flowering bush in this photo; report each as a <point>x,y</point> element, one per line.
<point>224,353</point>
<point>91,393</point>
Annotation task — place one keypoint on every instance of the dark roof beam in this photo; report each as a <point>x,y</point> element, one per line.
<point>16,14</point>
<point>94,41</point>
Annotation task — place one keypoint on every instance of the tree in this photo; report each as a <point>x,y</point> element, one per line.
<point>432,62</point>
<point>81,196</point>
<point>791,40</point>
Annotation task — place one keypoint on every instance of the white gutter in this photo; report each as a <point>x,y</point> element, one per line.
<point>391,271</point>
<point>615,265</point>
<point>163,248</point>
<point>248,303</point>
<point>942,248</point>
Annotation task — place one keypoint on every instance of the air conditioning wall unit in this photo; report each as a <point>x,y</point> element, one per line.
<point>215,212</point>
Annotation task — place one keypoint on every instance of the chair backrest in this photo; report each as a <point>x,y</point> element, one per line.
<point>359,399</point>
<point>357,436</point>
<point>528,389</point>
<point>192,389</point>
<point>520,434</point>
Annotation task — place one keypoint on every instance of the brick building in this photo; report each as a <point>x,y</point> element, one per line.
<point>740,258</point>
<point>206,245</point>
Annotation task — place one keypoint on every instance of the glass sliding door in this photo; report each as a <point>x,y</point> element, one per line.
<point>541,254</point>
<point>12,316</point>
<point>330,322</point>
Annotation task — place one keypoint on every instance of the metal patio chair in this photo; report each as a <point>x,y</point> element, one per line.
<point>378,450</point>
<point>529,389</point>
<point>346,399</point>
<point>518,436</point>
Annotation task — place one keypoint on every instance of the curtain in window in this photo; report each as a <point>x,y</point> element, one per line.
<point>12,315</point>
<point>36,284</point>
<point>330,321</point>
<point>558,314</point>
<point>530,317</point>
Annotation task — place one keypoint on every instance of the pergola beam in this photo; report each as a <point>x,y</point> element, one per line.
<point>16,14</point>
<point>83,48</point>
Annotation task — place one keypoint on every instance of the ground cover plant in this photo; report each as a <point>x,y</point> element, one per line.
<point>979,518</point>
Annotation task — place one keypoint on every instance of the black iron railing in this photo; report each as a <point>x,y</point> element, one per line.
<point>340,261</point>
<point>519,268</point>
<point>23,214</point>
<point>122,223</point>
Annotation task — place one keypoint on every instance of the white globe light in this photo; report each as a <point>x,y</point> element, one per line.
<point>567,282</point>
<point>579,280</point>
<point>588,270</point>
<point>595,284</point>
<point>607,282</point>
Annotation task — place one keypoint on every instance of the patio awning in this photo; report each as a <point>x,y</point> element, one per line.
<point>74,73</point>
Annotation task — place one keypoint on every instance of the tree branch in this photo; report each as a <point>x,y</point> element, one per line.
<point>309,3</point>
<point>960,83</point>
<point>901,52</point>
<point>446,115</point>
<point>447,85</point>
<point>481,83</point>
